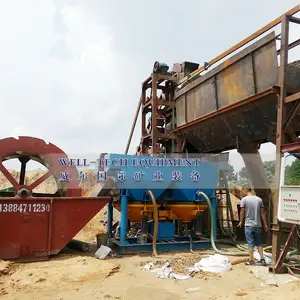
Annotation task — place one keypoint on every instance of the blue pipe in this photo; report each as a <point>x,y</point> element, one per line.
<point>123,225</point>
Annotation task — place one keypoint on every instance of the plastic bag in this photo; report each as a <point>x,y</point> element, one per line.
<point>214,263</point>
<point>267,256</point>
<point>102,252</point>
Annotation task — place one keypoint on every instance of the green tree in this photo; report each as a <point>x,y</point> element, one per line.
<point>243,177</point>
<point>230,174</point>
<point>292,173</point>
<point>269,167</point>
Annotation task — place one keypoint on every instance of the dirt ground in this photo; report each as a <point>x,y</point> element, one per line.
<point>78,277</point>
<point>73,277</point>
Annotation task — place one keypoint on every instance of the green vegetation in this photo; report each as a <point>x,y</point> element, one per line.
<point>292,174</point>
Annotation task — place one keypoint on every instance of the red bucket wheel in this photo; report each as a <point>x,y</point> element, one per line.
<point>29,148</point>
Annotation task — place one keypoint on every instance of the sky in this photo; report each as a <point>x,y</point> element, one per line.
<point>71,71</point>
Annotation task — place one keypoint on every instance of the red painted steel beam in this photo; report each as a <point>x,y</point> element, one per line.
<point>291,147</point>
<point>280,134</point>
<point>285,250</point>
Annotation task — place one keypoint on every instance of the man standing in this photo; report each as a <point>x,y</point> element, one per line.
<point>252,208</point>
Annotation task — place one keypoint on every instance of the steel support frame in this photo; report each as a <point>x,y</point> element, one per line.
<point>281,143</point>
<point>152,105</point>
<point>283,99</point>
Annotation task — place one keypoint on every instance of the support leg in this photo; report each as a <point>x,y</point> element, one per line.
<point>214,209</point>
<point>123,229</point>
<point>279,263</point>
<point>109,218</point>
<point>261,185</point>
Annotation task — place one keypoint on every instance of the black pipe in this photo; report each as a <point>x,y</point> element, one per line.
<point>78,245</point>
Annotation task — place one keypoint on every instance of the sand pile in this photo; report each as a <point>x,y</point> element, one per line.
<point>6,267</point>
<point>60,273</point>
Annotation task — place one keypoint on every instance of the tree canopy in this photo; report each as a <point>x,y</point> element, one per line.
<point>292,173</point>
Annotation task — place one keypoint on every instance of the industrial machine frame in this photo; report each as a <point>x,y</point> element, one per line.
<point>174,204</point>
<point>285,139</point>
<point>282,145</point>
<point>35,235</point>
<point>36,225</point>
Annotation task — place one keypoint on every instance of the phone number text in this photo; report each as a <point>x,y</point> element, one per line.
<point>24,208</point>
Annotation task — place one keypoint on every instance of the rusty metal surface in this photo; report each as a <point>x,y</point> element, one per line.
<point>293,147</point>
<point>34,228</point>
<point>270,38</point>
<point>195,106</point>
<point>292,78</point>
<point>279,262</point>
<point>220,100</point>
<point>292,98</point>
<point>253,119</point>
<point>264,67</point>
<point>37,225</point>
<point>47,154</point>
<point>235,83</point>
<point>280,134</point>
<point>251,71</point>
<point>181,111</point>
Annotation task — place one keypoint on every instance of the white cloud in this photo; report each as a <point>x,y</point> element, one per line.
<point>63,79</point>
<point>60,84</point>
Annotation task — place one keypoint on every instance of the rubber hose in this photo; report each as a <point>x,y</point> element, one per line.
<point>155,217</point>
<point>231,243</point>
<point>292,273</point>
<point>212,234</point>
<point>199,193</point>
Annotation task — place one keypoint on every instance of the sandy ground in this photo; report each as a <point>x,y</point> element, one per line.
<point>78,277</point>
<point>72,277</point>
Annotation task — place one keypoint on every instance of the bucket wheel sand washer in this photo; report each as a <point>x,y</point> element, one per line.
<point>35,225</point>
